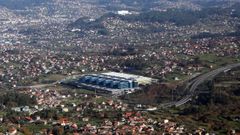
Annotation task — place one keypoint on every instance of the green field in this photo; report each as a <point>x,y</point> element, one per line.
<point>216,61</point>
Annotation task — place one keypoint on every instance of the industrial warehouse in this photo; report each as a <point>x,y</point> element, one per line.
<point>113,82</point>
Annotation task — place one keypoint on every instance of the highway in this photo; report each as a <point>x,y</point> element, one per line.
<point>193,84</point>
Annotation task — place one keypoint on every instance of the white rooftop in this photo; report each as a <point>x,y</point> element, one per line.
<point>123,12</point>
<point>140,79</point>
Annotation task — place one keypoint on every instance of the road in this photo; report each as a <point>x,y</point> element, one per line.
<point>193,84</point>
<point>46,85</point>
<point>37,86</point>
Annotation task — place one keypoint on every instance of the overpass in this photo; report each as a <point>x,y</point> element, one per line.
<point>193,85</point>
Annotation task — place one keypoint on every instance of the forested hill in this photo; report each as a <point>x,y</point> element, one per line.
<point>180,17</point>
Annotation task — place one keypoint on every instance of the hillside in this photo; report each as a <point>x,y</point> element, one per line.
<point>218,109</point>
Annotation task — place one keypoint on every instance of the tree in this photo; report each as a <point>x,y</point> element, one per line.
<point>11,99</point>
<point>26,131</point>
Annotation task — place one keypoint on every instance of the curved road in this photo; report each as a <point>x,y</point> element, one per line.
<point>193,84</point>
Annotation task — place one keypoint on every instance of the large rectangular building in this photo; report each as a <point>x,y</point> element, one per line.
<point>113,82</point>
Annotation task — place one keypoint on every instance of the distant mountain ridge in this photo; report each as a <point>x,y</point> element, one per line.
<point>21,4</point>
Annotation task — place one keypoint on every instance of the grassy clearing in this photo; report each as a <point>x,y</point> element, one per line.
<point>2,113</point>
<point>171,77</point>
<point>70,101</point>
<point>51,78</point>
<point>55,77</point>
<point>84,91</point>
<point>99,100</point>
<point>36,128</point>
<point>216,61</point>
